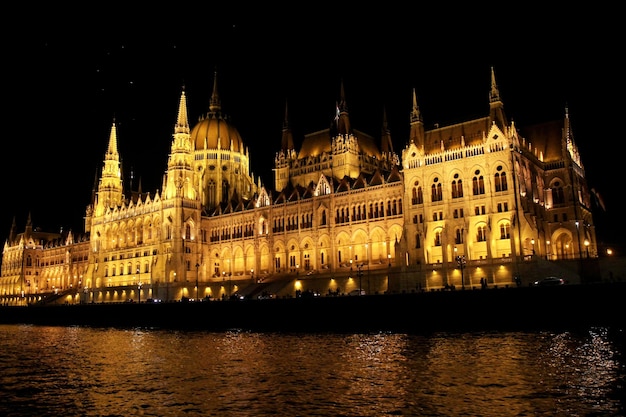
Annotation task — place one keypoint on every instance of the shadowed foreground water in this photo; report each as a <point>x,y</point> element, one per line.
<point>83,371</point>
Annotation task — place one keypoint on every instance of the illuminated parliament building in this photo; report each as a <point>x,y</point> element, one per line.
<point>475,203</point>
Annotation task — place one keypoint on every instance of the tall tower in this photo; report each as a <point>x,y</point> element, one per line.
<point>110,190</point>
<point>181,213</point>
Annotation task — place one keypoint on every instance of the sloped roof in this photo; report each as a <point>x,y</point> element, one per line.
<point>317,143</point>
<point>546,138</point>
<point>471,131</point>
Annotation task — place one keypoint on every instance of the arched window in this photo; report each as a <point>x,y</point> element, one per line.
<point>436,191</point>
<point>225,190</point>
<point>505,232</point>
<point>481,234</point>
<point>438,238</point>
<point>500,180</point>
<point>458,236</point>
<point>558,197</point>
<point>478,183</point>
<point>211,190</point>
<point>416,194</point>
<point>457,187</point>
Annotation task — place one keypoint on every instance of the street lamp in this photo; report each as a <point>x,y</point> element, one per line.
<point>359,269</point>
<point>86,291</point>
<point>587,246</point>
<point>548,250</point>
<point>367,259</point>
<point>461,261</point>
<point>139,292</point>
<point>197,266</point>
<point>389,259</point>
<point>532,242</point>
<point>224,284</point>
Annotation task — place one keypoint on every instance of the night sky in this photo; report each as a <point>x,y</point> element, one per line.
<point>65,82</point>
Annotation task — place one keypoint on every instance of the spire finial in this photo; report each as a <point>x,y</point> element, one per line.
<point>215,105</point>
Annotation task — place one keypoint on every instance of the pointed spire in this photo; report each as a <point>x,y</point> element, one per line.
<point>110,189</point>
<point>569,143</point>
<point>494,94</point>
<point>343,107</point>
<point>182,123</point>
<point>13,231</point>
<point>29,226</point>
<point>286,120</point>
<point>287,138</point>
<point>215,105</point>
<point>386,146</point>
<point>416,116</point>
<point>416,134</point>
<point>341,118</point>
<point>496,107</point>
<point>112,149</point>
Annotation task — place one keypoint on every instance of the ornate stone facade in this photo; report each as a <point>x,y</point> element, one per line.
<point>471,204</point>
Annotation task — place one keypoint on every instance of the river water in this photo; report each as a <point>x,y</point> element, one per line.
<point>84,371</point>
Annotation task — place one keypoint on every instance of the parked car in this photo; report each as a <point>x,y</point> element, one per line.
<point>358,291</point>
<point>549,281</point>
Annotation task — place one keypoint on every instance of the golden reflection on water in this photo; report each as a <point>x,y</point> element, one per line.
<point>88,371</point>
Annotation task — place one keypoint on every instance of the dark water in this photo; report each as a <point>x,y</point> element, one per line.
<point>82,371</point>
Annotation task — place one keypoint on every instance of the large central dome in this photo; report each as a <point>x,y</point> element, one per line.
<point>215,132</point>
<point>221,161</point>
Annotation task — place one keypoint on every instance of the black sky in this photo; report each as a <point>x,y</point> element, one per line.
<point>66,83</point>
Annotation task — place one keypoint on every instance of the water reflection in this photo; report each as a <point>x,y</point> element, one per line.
<point>88,371</point>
